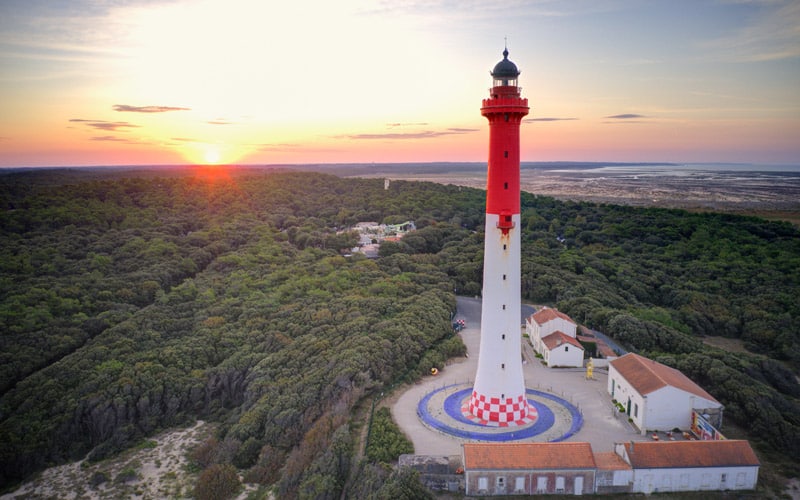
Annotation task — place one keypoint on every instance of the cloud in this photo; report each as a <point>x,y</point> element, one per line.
<point>625,116</point>
<point>398,124</point>
<point>771,34</point>
<point>426,134</point>
<point>293,148</point>
<point>547,119</point>
<point>104,125</point>
<point>220,121</point>
<point>147,109</point>
<point>109,138</point>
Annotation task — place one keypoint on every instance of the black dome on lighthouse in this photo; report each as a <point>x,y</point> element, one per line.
<point>505,69</point>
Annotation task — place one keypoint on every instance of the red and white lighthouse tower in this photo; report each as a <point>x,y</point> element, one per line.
<point>498,396</point>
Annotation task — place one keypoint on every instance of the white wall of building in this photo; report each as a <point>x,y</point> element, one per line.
<point>660,410</point>
<point>669,407</point>
<point>564,355</point>
<point>623,392</point>
<point>694,479</point>
<point>537,332</point>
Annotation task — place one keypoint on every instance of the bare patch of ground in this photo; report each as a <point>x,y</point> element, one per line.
<point>155,469</point>
<point>793,489</point>
<point>726,344</point>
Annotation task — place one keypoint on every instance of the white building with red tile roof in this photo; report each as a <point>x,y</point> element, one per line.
<point>690,465</point>
<point>528,468</point>
<point>657,397</point>
<point>561,350</point>
<point>546,321</point>
<point>572,468</point>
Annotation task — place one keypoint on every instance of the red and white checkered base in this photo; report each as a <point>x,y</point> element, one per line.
<point>494,412</point>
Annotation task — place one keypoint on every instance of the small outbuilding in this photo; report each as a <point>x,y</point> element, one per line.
<point>546,321</point>
<point>561,350</point>
<point>658,397</point>
<point>663,466</point>
<point>528,468</point>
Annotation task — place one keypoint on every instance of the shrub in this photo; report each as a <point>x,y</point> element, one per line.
<point>386,441</point>
<point>217,482</point>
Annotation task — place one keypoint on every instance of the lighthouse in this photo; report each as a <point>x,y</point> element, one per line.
<point>498,396</point>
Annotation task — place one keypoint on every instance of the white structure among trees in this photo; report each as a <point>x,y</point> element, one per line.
<point>546,321</point>
<point>657,397</point>
<point>561,350</point>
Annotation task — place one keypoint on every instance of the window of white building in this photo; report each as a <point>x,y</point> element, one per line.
<point>560,484</point>
<point>541,484</point>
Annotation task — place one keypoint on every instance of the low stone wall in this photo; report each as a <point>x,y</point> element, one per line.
<point>437,472</point>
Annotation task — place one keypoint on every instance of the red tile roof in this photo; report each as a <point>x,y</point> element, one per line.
<point>608,460</point>
<point>605,351</point>
<point>665,454</point>
<point>557,338</point>
<point>528,456</point>
<point>546,314</point>
<point>646,376</point>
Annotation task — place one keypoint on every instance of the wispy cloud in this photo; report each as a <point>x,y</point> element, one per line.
<point>772,34</point>
<point>147,109</point>
<point>476,10</point>
<point>399,124</point>
<point>109,138</point>
<point>104,125</point>
<point>426,134</point>
<point>220,121</point>
<point>626,118</point>
<point>293,148</point>
<point>547,119</point>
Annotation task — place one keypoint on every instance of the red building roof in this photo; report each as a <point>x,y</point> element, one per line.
<point>528,456</point>
<point>668,454</point>
<point>608,460</point>
<point>546,314</point>
<point>557,338</point>
<point>646,376</point>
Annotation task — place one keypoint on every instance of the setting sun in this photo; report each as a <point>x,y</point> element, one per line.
<point>212,155</point>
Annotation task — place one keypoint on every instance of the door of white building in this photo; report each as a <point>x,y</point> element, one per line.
<point>483,485</point>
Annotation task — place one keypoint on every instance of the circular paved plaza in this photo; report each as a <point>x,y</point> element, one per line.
<point>550,418</point>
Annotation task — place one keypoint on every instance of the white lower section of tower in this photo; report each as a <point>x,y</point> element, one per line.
<point>499,391</point>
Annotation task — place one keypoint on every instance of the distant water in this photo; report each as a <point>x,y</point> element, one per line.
<point>681,169</point>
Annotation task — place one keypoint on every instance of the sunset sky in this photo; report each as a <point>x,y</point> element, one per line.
<point>89,82</point>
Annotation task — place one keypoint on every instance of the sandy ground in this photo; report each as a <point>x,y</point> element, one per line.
<point>157,471</point>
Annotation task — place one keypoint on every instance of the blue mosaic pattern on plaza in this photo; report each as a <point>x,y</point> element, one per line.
<point>476,431</point>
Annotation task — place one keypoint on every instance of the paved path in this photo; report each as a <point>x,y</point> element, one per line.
<point>602,423</point>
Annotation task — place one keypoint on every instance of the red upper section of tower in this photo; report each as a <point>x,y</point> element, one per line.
<point>504,109</point>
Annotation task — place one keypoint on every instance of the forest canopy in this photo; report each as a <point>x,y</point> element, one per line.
<point>136,301</point>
